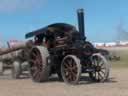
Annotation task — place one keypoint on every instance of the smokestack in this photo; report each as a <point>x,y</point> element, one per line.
<point>80,14</point>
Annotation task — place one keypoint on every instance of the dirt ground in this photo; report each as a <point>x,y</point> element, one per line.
<point>116,86</point>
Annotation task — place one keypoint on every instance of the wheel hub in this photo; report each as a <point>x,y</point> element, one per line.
<point>98,68</point>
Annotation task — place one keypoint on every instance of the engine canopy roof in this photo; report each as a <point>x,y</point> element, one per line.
<point>52,28</point>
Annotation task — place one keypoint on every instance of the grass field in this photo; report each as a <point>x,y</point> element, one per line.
<point>123,53</point>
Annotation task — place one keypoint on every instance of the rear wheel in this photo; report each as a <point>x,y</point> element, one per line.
<point>71,69</point>
<point>101,68</point>
<point>39,68</point>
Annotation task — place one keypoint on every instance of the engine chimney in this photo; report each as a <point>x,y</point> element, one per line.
<point>80,14</point>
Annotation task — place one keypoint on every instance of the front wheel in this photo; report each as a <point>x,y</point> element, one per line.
<point>101,68</point>
<point>71,69</point>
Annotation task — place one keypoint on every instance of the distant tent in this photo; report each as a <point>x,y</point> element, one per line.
<point>13,42</point>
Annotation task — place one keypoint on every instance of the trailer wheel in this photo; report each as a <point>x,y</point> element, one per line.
<point>16,70</point>
<point>39,68</point>
<point>71,69</point>
<point>1,68</point>
<point>101,68</point>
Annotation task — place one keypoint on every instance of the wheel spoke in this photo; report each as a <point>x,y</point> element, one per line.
<point>66,65</point>
<point>98,77</point>
<point>38,76</point>
<point>69,77</point>
<point>38,57</point>
<point>35,74</point>
<point>75,70</point>
<point>98,60</point>
<point>95,62</point>
<point>103,68</point>
<point>66,70</point>
<point>74,75</point>
<point>101,77</point>
<point>70,62</point>
<point>33,55</point>
<point>66,61</point>
<point>66,73</point>
<point>101,63</point>
<point>102,71</point>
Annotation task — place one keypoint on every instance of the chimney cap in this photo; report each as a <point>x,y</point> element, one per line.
<point>80,10</point>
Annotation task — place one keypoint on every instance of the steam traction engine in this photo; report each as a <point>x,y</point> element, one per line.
<point>60,48</point>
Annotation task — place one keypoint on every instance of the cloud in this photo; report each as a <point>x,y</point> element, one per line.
<point>8,6</point>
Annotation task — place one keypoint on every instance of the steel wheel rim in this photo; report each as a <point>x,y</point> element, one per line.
<point>70,70</point>
<point>100,69</point>
<point>36,64</point>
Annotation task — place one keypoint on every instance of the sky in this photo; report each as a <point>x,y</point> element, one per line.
<point>102,17</point>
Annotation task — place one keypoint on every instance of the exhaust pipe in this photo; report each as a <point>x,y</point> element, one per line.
<point>80,14</point>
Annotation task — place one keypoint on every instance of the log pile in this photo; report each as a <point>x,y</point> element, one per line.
<point>14,50</point>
